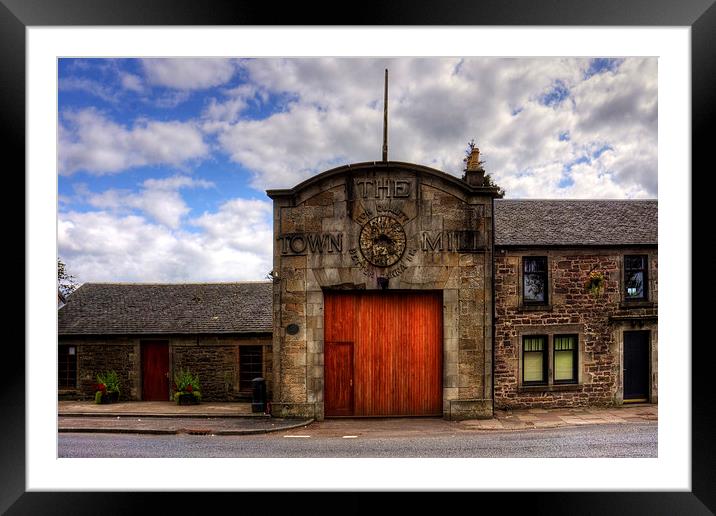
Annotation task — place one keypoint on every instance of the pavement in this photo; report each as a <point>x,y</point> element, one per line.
<point>227,418</point>
<point>553,418</point>
<point>165,417</point>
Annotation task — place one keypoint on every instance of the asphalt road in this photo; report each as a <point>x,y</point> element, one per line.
<point>606,440</point>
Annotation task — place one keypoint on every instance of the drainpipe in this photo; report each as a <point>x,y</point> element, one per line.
<point>494,302</point>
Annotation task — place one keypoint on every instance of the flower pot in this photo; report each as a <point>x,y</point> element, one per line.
<point>107,397</point>
<point>186,399</point>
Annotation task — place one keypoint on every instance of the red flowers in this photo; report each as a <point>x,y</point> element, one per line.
<point>102,387</point>
<point>189,388</point>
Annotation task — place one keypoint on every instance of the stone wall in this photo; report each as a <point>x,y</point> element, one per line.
<point>597,320</point>
<point>214,358</point>
<point>98,356</point>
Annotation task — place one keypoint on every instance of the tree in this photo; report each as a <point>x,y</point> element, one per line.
<point>65,281</point>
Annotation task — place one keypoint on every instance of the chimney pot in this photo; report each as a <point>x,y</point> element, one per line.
<point>474,173</point>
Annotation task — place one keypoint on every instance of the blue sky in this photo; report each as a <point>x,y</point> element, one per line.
<point>163,163</point>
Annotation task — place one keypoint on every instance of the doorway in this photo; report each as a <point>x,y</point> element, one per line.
<point>383,353</point>
<point>636,366</point>
<point>155,371</point>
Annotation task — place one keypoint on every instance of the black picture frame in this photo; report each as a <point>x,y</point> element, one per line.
<point>16,15</point>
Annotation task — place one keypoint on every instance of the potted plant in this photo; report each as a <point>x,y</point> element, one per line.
<point>187,388</point>
<point>595,283</point>
<point>107,388</point>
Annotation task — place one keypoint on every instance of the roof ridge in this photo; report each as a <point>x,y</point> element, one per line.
<point>139,283</point>
<point>579,200</point>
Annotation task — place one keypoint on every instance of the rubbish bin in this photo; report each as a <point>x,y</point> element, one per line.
<point>258,400</point>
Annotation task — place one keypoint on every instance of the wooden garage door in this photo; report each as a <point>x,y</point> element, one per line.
<point>383,353</point>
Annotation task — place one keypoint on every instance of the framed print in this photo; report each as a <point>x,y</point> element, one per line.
<point>27,29</point>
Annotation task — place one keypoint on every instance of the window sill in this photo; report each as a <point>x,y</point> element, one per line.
<point>535,308</point>
<point>625,305</point>
<point>559,387</point>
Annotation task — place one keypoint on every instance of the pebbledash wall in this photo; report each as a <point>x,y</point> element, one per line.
<point>328,233</point>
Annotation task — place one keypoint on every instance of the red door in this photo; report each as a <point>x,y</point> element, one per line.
<point>155,371</point>
<point>338,361</point>
<point>397,352</point>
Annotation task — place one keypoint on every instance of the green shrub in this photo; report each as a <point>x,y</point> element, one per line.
<point>110,380</point>
<point>186,386</point>
<point>185,381</point>
<point>98,397</point>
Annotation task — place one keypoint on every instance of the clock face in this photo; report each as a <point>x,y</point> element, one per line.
<point>382,241</point>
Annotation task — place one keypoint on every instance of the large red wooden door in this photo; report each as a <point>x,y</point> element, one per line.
<point>155,371</point>
<point>397,352</point>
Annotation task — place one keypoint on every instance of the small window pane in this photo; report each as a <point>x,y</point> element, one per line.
<point>535,264</point>
<point>634,262</point>
<point>534,359</point>
<point>534,279</point>
<point>565,356</point>
<point>534,287</point>
<point>563,365</point>
<point>534,367</point>
<point>635,276</point>
<point>250,366</point>
<point>66,367</point>
<point>534,344</point>
<point>563,343</point>
<point>634,284</point>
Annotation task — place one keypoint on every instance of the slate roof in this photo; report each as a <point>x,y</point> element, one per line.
<point>194,308</point>
<point>575,222</point>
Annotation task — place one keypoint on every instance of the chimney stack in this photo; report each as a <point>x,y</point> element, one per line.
<point>474,173</point>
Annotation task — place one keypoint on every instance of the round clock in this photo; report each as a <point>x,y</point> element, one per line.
<point>382,241</point>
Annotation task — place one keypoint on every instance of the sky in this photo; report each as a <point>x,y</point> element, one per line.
<point>163,164</point>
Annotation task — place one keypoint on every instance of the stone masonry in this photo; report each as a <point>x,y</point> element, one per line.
<point>447,225</point>
<point>215,359</point>
<point>599,322</point>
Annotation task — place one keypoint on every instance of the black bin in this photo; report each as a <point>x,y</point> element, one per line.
<point>258,398</point>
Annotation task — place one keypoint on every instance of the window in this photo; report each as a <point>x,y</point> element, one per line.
<point>534,280</point>
<point>635,277</point>
<point>250,367</point>
<point>67,367</point>
<point>534,360</point>
<point>565,359</point>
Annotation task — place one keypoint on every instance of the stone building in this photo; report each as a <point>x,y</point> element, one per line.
<point>147,333</point>
<point>558,343</point>
<point>400,290</point>
<point>383,293</point>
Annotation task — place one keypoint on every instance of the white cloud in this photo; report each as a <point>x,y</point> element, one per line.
<point>131,82</point>
<point>436,106</point>
<point>90,86</point>
<point>291,146</point>
<point>233,244</point>
<point>89,141</point>
<point>596,139</point>
<point>188,74</point>
<point>243,224</point>
<point>159,198</point>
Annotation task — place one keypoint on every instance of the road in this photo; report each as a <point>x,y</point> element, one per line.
<point>605,440</point>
